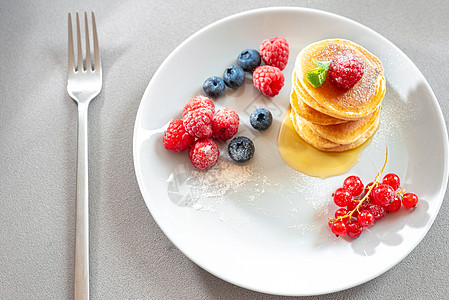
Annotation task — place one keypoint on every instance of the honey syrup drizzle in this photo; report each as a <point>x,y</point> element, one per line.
<point>309,160</point>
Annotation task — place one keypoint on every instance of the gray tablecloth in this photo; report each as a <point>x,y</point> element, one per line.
<point>130,256</point>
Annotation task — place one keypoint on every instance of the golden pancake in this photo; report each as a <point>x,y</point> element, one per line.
<point>307,134</point>
<point>311,114</point>
<point>307,99</point>
<point>360,100</point>
<point>345,133</point>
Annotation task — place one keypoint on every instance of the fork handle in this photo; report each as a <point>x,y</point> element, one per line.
<point>81,281</point>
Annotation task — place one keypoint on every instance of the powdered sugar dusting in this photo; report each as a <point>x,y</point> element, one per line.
<point>192,188</point>
<point>253,195</point>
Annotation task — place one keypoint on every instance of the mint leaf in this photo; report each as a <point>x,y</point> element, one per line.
<point>316,77</point>
<point>322,64</point>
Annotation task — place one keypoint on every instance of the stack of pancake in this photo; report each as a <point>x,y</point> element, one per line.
<point>328,117</point>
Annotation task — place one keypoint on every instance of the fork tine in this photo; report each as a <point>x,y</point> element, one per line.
<point>96,48</point>
<point>88,62</point>
<point>78,38</point>
<point>71,55</point>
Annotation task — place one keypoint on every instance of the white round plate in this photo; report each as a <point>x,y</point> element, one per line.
<point>263,225</point>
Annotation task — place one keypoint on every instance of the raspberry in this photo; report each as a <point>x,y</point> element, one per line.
<point>197,115</point>
<point>346,70</point>
<point>176,137</point>
<point>274,52</point>
<point>204,154</point>
<point>225,124</point>
<point>269,80</point>
<point>198,122</point>
<point>198,102</point>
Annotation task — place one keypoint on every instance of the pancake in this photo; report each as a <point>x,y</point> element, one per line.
<point>360,100</point>
<point>311,114</point>
<point>345,133</point>
<point>307,134</point>
<point>311,102</point>
<point>330,118</point>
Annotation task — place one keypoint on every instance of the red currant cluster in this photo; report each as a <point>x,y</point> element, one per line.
<point>360,206</point>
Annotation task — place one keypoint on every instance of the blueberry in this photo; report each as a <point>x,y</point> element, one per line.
<point>234,76</point>
<point>249,60</point>
<point>241,149</point>
<point>261,119</point>
<point>214,87</point>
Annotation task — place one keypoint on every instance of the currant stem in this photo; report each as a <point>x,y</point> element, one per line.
<point>401,192</point>
<point>376,180</point>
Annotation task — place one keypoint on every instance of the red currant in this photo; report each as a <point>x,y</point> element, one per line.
<point>353,229</point>
<point>378,211</point>
<point>395,205</point>
<point>339,228</point>
<point>341,212</point>
<point>342,197</point>
<point>354,185</point>
<point>365,205</point>
<point>365,218</point>
<point>409,200</point>
<point>352,205</point>
<point>360,206</point>
<point>383,194</point>
<point>392,180</point>
<point>365,191</point>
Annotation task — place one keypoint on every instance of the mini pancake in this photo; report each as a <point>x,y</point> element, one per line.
<point>345,133</point>
<point>360,100</point>
<point>307,99</point>
<point>307,134</point>
<point>311,114</point>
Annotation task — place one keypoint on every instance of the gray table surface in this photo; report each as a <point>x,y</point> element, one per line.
<point>130,256</point>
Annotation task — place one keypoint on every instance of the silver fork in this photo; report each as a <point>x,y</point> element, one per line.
<point>83,84</point>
